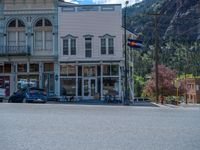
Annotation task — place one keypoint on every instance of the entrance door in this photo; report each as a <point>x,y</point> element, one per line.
<point>48,83</point>
<point>89,88</point>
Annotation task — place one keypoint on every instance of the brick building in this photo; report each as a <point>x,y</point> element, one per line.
<point>193,91</point>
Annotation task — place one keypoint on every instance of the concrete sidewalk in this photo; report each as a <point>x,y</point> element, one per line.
<point>99,102</point>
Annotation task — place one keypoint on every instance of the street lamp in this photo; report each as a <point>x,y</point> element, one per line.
<point>126,99</point>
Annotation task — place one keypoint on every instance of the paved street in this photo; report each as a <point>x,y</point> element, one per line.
<point>81,127</point>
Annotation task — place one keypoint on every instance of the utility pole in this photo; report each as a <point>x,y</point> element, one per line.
<point>156,53</point>
<point>126,99</point>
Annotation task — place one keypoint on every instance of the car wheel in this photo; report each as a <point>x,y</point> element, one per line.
<point>24,100</point>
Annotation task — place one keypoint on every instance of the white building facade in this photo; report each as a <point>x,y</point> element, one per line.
<point>90,50</point>
<point>67,49</point>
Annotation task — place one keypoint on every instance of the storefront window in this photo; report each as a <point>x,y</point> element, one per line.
<point>68,87</point>
<point>89,71</point>
<point>114,70</point>
<point>22,67</point>
<point>1,68</point>
<point>71,70</point>
<point>24,81</point>
<point>106,70</point>
<point>48,67</point>
<point>110,86</point>
<point>5,68</point>
<point>68,70</point>
<point>110,70</point>
<point>34,67</point>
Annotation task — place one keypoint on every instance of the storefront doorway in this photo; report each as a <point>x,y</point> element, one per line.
<point>89,88</point>
<point>48,83</point>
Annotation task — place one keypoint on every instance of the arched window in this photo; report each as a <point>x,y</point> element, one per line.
<point>16,33</point>
<point>43,39</point>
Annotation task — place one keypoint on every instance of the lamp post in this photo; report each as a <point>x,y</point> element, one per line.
<point>126,98</point>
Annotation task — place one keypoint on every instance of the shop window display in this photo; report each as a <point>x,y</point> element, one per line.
<point>111,86</point>
<point>68,87</point>
<point>24,81</point>
<point>34,68</point>
<point>89,71</point>
<point>48,67</point>
<point>22,67</point>
<point>68,70</point>
<point>5,68</point>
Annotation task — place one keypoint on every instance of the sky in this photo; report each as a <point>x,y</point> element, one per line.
<point>131,2</point>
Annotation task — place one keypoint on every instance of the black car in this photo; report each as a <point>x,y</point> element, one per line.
<point>29,95</point>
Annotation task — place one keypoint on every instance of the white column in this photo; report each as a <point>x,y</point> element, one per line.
<point>101,81</point>
<point>54,44</point>
<point>76,80</point>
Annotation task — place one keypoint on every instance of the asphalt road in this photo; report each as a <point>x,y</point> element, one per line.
<point>79,127</point>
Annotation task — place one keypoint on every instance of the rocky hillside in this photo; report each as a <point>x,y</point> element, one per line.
<point>179,19</point>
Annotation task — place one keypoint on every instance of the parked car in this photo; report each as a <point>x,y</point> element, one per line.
<point>2,94</point>
<point>29,95</point>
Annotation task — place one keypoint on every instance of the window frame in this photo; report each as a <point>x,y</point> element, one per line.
<point>88,50</point>
<point>109,44</point>
<point>71,47</point>
<point>43,29</point>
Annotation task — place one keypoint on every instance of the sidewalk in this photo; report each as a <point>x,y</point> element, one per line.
<point>182,105</point>
<point>99,102</point>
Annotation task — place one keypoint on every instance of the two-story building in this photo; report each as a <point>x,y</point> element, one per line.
<point>67,49</point>
<point>90,50</point>
<point>28,44</point>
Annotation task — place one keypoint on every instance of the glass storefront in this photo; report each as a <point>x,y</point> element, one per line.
<point>87,81</point>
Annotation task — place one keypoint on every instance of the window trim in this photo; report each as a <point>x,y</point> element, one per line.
<point>107,37</point>
<point>69,37</point>
<point>43,30</point>
<point>86,50</point>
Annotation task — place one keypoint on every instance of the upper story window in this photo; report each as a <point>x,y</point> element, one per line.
<point>107,44</point>
<point>16,33</point>
<point>88,46</point>
<point>43,39</point>
<point>69,45</point>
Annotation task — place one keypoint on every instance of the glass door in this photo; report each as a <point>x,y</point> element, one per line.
<point>89,88</point>
<point>48,83</point>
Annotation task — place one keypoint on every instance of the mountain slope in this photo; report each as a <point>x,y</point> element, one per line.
<point>177,18</point>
